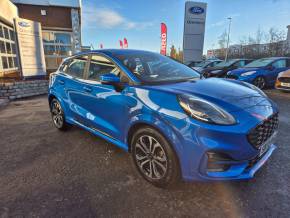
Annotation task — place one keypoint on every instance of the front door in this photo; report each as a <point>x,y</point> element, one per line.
<point>277,67</point>
<point>107,110</point>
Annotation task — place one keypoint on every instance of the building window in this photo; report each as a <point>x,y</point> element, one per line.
<point>43,12</point>
<point>57,45</point>
<point>8,58</point>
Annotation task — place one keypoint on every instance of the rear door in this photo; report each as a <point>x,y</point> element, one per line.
<point>74,83</point>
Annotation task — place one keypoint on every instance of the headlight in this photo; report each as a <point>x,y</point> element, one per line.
<point>248,73</point>
<point>205,111</point>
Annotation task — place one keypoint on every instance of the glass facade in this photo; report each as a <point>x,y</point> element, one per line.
<point>57,45</point>
<point>8,59</point>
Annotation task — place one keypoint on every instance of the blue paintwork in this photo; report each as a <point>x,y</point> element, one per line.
<point>270,74</point>
<point>110,114</point>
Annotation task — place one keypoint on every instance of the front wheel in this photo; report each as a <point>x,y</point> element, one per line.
<point>154,158</point>
<point>57,115</point>
<point>260,82</point>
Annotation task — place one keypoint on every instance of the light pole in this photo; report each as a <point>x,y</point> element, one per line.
<point>228,41</point>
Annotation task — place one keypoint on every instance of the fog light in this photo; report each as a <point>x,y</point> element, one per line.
<point>217,162</point>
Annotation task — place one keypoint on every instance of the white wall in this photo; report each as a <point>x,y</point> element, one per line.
<point>64,3</point>
<point>8,11</point>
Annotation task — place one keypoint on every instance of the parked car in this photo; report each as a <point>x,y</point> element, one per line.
<point>221,69</point>
<point>193,63</point>
<point>206,64</point>
<point>173,123</point>
<point>283,81</point>
<point>262,72</point>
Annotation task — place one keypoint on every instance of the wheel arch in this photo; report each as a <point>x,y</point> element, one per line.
<point>143,124</point>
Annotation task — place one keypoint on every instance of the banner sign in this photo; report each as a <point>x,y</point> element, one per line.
<point>163,39</point>
<point>194,28</point>
<point>121,43</point>
<point>125,43</point>
<point>30,47</point>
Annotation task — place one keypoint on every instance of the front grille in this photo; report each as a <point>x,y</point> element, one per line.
<point>261,133</point>
<point>284,79</point>
<point>232,76</point>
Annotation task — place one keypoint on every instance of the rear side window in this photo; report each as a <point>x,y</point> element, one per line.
<point>76,66</point>
<point>279,63</point>
<point>99,66</point>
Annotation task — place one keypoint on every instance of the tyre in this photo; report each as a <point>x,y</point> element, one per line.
<point>154,158</point>
<point>57,115</point>
<point>260,82</point>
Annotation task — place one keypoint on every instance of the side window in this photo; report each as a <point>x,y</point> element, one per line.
<point>215,63</point>
<point>100,65</point>
<point>279,64</point>
<point>240,63</point>
<point>64,66</point>
<point>76,66</point>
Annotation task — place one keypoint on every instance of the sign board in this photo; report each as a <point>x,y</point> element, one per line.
<point>194,28</point>
<point>30,47</point>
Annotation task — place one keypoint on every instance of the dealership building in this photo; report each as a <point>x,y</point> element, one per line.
<point>35,35</point>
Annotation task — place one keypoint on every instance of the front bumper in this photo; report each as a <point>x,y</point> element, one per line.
<point>196,141</point>
<point>241,170</point>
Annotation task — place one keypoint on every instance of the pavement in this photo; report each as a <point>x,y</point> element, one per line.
<point>3,102</point>
<point>47,173</point>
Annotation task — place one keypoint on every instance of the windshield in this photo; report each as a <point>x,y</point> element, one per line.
<point>151,67</point>
<point>226,63</point>
<point>203,64</point>
<point>260,63</point>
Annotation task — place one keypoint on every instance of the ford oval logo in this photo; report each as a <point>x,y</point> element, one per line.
<point>23,24</point>
<point>196,10</point>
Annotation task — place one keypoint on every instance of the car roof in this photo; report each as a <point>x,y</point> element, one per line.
<point>113,51</point>
<point>276,58</point>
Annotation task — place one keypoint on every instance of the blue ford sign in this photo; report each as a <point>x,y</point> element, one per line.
<point>196,10</point>
<point>23,24</point>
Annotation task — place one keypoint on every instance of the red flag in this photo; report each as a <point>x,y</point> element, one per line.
<point>101,46</point>
<point>121,43</point>
<point>125,43</point>
<point>163,39</point>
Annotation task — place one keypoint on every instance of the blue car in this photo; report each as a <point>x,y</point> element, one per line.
<point>262,72</point>
<point>174,124</point>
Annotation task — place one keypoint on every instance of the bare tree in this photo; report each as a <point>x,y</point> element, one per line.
<point>276,40</point>
<point>222,41</point>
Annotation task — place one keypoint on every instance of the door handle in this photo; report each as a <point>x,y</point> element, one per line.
<point>61,82</point>
<point>87,89</point>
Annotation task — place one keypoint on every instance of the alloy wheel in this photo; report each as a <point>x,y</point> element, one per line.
<point>150,157</point>
<point>260,82</point>
<point>57,114</point>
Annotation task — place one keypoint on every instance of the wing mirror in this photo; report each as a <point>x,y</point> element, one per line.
<point>270,67</point>
<point>110,79</point>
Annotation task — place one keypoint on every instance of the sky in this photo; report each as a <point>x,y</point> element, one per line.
<point>108,21</point>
